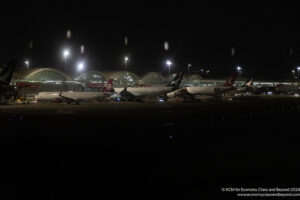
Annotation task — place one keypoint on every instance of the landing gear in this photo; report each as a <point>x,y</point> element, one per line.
<point>128,98</point>
<point>124,99</point>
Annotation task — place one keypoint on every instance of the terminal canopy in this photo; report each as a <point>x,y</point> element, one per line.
<point>91,77</point>
<point>153,78</point>
<point>41,75</point>
<point>123,78</point>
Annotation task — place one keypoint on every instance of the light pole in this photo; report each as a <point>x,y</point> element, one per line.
<point>27,63</point>
<point>298,69</point>
<point>80,66</point>
<point>125,61</point>
<point>169,63</point>
<point>293,71</point>
<point>189,65</point>
<point>66,53</point>
<point>239,69</point>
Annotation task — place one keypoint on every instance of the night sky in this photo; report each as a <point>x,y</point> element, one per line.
<point>200,34</point>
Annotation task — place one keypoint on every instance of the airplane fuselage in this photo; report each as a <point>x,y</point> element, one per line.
<point>51,96</point>
<point>146,91</point>
<point>210,90</point>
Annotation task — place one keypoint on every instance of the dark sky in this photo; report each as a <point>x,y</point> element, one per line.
<point>200,34</point>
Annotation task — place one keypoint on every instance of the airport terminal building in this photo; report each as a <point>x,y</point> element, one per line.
<point>34,80</point>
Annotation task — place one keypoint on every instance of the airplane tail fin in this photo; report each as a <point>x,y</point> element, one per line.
<point>7,72</point>
<point>176,80</point>
<point>248,83</point>
<point>109,86</point>
<point>231,80</point>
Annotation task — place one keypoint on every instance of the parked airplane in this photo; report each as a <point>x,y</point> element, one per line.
<point>6,90</point>
<point>142,93</point>
<point>248,83</point>
<point>213,90</point>
<point>206,90</point>
<point>76,97</point>
<point>246,86</point>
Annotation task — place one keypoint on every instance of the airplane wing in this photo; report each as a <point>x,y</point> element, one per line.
<point>224,90</point>
<point>69,99</point>
<point>108,94</point>
<point>125,95</point>
<point>178,93</point>
<point>181,91</point>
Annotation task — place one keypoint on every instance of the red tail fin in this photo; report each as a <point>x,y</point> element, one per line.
<point>109,86</point>
<point>231,80</point>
